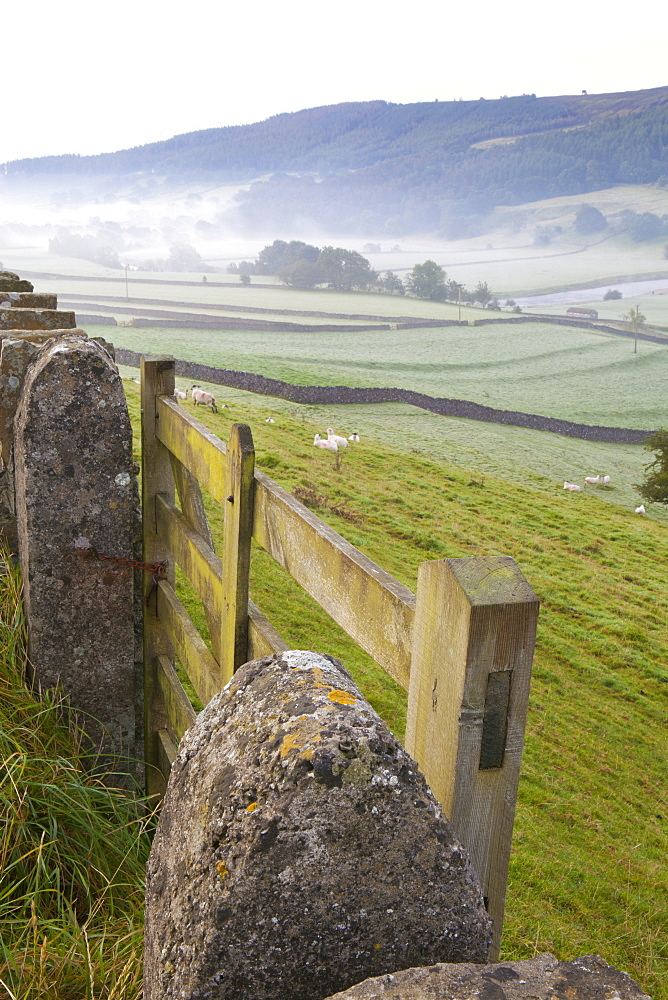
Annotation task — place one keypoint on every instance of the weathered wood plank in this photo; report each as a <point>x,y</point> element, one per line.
<point>157,378</point>
<point>195,446</point>
<point>474,617</point>
<point>263,639</point>
<point>373,607</point>
<point>180,713</point>
<point>191,552</point>
<point>200,666</point>
<point>192,505</point>
<point>166,752</point>
<point>239,488</point>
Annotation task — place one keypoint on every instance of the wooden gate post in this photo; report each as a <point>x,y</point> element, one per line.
<point>473,643</point>
<point>157,379</point>
<point>239,487</point>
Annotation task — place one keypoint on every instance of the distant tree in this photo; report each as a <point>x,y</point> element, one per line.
<point>644,226</point>
<point>279,254</point>
<point>455,291</point>
<point>392,283</point>
<point>245,279</point>
<point>634,317</point>
<point>612,293</point>
<point>589,220</point>
<point>655,485</point>
<point>183,257</point>
<point>427,281</point>
<point>482,293</point>
<point>303,274</point>
<point>346,269</point>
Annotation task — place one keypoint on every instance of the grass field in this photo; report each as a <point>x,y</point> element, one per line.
<point>588,867</point>
<point>557,371</point>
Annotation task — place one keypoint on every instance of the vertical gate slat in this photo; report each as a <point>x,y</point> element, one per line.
<point>239,489</point>
<point>157,378</point>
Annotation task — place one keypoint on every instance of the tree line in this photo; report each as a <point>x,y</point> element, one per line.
<point>303,265</point>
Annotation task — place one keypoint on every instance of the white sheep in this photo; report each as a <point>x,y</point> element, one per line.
<point>340,442</point>
<point>641,509</point>
<point>354,437</point>
<point>573,487</point>
<point>270,420</point>
<point>200,397</point>
<point>321,442</point>
<point>179,394</point>
<point>599,480</point>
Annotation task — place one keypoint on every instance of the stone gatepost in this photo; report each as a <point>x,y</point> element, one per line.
<point>76,490</point>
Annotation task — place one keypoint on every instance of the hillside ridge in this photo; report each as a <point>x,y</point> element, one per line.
<point>376,166</point>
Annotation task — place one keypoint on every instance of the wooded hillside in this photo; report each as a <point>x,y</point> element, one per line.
<point>374,166</point>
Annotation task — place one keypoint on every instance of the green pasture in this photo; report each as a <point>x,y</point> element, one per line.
<point>563,372</point>
<point>588,867</point>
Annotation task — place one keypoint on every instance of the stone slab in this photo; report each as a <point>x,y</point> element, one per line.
<point>75,485</point>
<point>299,848</point>
<point>28,300</point>
<point>540,978</point>
<point>36,319</point>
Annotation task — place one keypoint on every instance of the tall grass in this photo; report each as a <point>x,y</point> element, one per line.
<point>72,849</point>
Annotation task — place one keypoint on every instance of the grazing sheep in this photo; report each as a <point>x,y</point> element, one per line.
<point>270,420</point>
<point>573,487</point>
<point>641,509</point>
<point>354,437</point>
<point>327,443</point>
<point>179,394</point>
<point>597,480</point>
<point>340,442</point>
<point>200,397</point>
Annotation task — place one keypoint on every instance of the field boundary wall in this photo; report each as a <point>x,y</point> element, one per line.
<point>341,394</point>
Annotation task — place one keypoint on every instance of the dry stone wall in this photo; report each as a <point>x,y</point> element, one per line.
<point>338,394</point>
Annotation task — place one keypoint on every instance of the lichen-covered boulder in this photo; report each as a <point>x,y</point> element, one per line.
<point>541,978</point>
<point>299,849</point>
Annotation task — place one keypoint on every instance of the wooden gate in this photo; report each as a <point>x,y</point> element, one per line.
<point>462,646</point>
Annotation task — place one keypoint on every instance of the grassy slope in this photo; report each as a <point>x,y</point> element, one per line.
<point>588,868</point>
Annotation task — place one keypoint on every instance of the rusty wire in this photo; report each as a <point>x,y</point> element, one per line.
<point>157,570</point>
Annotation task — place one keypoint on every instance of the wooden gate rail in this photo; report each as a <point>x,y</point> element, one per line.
<point>462,648</point>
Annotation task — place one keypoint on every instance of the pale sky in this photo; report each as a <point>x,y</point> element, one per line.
<point>82,77</point>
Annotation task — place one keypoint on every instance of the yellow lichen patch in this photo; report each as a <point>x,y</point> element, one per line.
<point>252,807</point>
<point>290,741</point>
<point>377,945</point>
<point>221,868</point>
<point>342,697</point>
